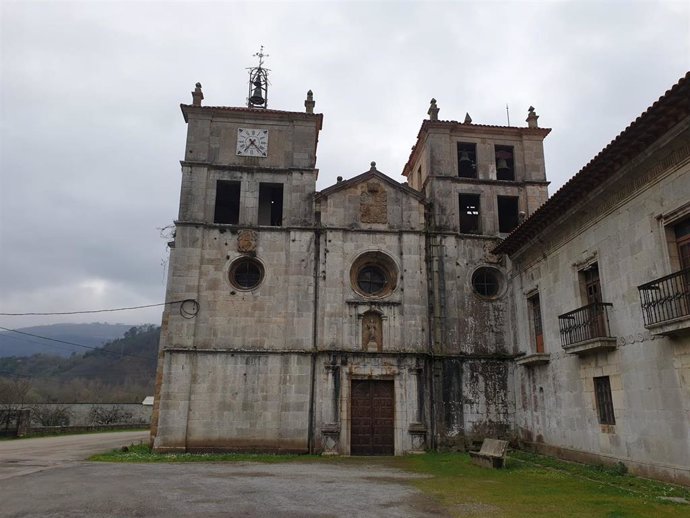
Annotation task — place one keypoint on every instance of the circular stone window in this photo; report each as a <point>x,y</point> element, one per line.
<point>374,274</point>
<point>487,282</point>
<point>246,273</point>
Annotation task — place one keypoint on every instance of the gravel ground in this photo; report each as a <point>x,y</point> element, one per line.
<point>68,487</point>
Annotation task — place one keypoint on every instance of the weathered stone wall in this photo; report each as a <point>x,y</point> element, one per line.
<point>221,400</point>
<point>620,225</point>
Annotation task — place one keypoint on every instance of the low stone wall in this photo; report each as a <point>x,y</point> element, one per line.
<point>62,415</point>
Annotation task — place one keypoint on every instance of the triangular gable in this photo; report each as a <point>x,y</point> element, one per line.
<point>365,177</point>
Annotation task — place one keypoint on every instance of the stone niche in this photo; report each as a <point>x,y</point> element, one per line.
<point>372,331</point>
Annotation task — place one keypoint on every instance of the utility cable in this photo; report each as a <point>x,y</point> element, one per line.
<point>188,306</point>
<point>78,345</point>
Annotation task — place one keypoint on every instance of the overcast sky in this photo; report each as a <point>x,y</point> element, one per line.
<point>91,133</point>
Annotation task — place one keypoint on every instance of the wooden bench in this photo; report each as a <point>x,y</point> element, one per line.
<point>492,454</point>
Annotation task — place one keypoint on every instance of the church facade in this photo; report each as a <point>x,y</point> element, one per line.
<point>371,317</point>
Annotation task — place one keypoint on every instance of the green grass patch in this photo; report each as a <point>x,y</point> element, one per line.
<point>533,485</point>
<point>530,485</point>
<point>143,453</point>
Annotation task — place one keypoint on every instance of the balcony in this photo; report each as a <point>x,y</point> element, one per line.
<point>586,330</point>
<point>530,360</point>
<point>666,303</point>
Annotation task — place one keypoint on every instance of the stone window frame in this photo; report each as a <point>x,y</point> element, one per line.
<point>381,261</point>
<point>534,303</point>
<point>604,400</point>
<point>668,222</point>
<point>502,284</point>
<point>236,263</point>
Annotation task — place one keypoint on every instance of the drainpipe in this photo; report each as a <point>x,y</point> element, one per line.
<point>315,331</point>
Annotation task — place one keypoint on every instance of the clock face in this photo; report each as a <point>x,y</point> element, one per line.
<point>252,142</point>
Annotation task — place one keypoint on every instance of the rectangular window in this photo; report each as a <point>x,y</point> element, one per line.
<point>467,160</point>
<point>602,392</point>
<point>505,165</point>
<point>591,284</point>
<point>535,309</point>
<point>469,213</point>
<point>227,202</point>
<point>682,232</point>
<point>271,204</point>
<point>507,213</point>
<point>419,178</point>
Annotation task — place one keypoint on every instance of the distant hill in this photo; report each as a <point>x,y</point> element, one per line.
<point>122,371</point>
<point>93,335</point>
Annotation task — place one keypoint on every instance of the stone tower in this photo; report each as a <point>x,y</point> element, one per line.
<point>480,182</point>
<point>243,251</point>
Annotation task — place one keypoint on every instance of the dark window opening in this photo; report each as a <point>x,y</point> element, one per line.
<point>246,273</point>
<point>467,160</point>
<point>505,165</point>
<point>535,308</point>
<point>371,279</point>
<point>507,213</point>
<point>227,202</point>
<point>271,204</point>
<point>469,213</point>
<point>602,391</point>
<point>682,231</point>
<point>485,281</point>
<point>591,283</point>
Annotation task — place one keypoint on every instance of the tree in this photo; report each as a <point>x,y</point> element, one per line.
<point>114,414</point>
<point>14,394</point>
<point>51,415</point>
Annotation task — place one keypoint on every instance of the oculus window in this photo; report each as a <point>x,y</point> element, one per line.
<point>486,282</point>
<point>374,274</point>
<point>246,273</point>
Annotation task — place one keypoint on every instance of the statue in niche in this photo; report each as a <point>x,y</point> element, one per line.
<point>372,336</point>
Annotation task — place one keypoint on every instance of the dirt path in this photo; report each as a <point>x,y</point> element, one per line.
<point>24,456</point>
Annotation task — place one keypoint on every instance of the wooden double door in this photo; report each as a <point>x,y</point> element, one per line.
<point>372,417</point>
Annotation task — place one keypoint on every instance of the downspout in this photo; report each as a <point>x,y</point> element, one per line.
<point>431,324</point>
<point>315,330</point>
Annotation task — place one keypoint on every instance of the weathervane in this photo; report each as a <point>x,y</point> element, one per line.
<point>258,83</point>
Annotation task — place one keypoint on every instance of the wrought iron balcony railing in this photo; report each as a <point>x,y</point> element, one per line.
<point>666,298</point>
<point>586,323</point>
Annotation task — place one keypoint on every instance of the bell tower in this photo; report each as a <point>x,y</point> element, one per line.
<point>258,83</point>
<point>243,250</point>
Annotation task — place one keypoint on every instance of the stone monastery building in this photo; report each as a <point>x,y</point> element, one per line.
<point>380,318</point>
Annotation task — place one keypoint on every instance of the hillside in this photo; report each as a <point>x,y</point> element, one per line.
<point>94,335</point>
<point>121,371</point>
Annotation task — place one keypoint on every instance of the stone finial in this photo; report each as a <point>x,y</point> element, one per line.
<point>468,119</point>
<point>373,166</point>
<point>197,95</point>
<point>433,111</point>
<point>532,118</point>
<point>310,102</point>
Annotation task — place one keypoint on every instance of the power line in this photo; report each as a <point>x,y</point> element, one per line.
<point>23,339</point>
<point>78,345</point>
<point>189,301</point>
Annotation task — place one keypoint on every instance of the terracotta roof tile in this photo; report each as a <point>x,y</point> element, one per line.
<point>656,120</point>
